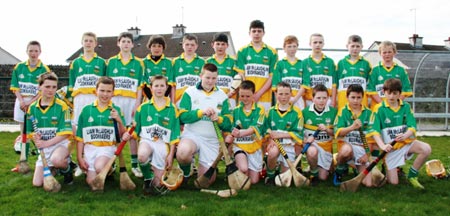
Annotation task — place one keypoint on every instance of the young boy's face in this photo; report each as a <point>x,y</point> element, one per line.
<point>283,95</point>
<point>354,48</point>
<point>209,80</point>
<point>246,96</point>
<point>256,34</point>
<point>220,47</point>
<point>125,44</point>
<point>290,49</point>
<point>33,52</point>
<point>316,43</point>
<point>104,92</point>
<point>190,46</point>
<point>89,43</point>
<point>159,87</point>
<point>355,99</point>
<point>392,96</point>
<point>320,99</point>
<point>48,88</point>
<point>387,53</point>
<point>156,49</point>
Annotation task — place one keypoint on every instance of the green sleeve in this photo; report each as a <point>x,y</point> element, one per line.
<point>72,75</point>
<point>276,76</point>
<point>187,115</point>
<point>225,113</point>
<point>372,82</point>
<point>406,84</point>
<point>306,75</point>
<point>297,131</point>
<point>14,80</point>
<point>137,120</point>
<point>175,135</point>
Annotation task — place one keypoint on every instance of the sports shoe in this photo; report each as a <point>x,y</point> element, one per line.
<point>269,181</point>
<point>337,179</point>
<point>68,178</point>
<point>147,187</point>
<point>415,183</point>
<point>137,172</point>
<point>78,171</point>
<point>314,180</point>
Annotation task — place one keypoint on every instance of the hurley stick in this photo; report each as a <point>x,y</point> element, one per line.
<point>221,193</point>
<point>299,179</point>
<point>203,181</point>
<point>23,164</point>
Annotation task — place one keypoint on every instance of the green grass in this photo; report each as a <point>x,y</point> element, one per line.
<point>19,197</point>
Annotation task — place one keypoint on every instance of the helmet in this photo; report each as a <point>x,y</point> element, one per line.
<point>435,169</point>
<point>172,178</point>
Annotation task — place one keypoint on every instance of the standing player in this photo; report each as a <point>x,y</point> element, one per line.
<point>385,70</point>
<point>95,132</point>
<point>346,126</point>
<point>187,66</point>
<point>199,107</point>
<point>52,118</point>
<point>156,63</point>
<point>158,127</point>
<point>319,69</point>
<point>246,135</point>
<point>290,71</point>
<point>256,61</point>
<point>352,69</point>
<point>319,116</point>
<point>24,84</point>
<point>285,123</point>
<point>393,120</point>
<point>225,65</point>
<point>127,70</point>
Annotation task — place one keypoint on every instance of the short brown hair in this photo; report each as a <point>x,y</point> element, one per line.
<point>105,80</point>
<point>290,39</point>
<point>392,85</point>
<point>47,76</point>
<point>156,39</point>
<point>319,88</point>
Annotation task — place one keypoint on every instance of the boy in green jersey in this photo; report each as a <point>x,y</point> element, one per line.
<point>158,127</point>
<point>385,70</point>
<point>319,69</point>
<point>50,130</point>
<point>225,65</point>
<point>156,63</point>
<point>352,69</point>
<point>187,66</point>
<point>246,137</point>
<point>256,62</point>
<point>95,132</point>
<point>127,70</point>
<point>393,120</point>
<point>290,70</point>
<point>319,116</point>
<point>24,84</point>
<point>284,122</point>
<point>353,116</point>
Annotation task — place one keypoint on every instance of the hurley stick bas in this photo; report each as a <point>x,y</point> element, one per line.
<point>203,181</point>
<point>125,181</point>
<point>221,193</point>
<point>50,183</point>
<point>23,164</point>
<point>299,179</point>
<point>236,178</point>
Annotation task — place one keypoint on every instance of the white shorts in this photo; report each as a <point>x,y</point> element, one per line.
<point>207,149</point>
<point>398,157</point>
<point>358,152</point>
<point>290,151</point>
<point>160,150</point>
<point>18,113</point>
<point>49,151</point>
<point>126,105</point>
<point>92,152</point>
<point>79,102</point>
<point>255,160</point>
<point>324,158</point>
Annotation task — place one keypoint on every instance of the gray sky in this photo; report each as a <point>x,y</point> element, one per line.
<point>58,25</point>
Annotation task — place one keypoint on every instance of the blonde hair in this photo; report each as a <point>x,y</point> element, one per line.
<point>386,44</point>
<point>315,35</point>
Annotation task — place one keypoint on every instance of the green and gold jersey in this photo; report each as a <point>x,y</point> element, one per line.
<point>388,122</point>
<point>345,118</point>
<point>290,121</point>
<point>289,72</point>
<point>154,123</point>
<point>52,121</point>
<point>257,66</point>
<point>186,73</point>
<point>127,75</point>
<point>381,73</point>
<point>348,73</point>
<point>318,72</point>
<point>226,71</point>
<point>25,79</point>
<point>161,67</point>
<point>95,125</point>
<point>312,121</point>
<point>84,74</point>
<point>245,119</point>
